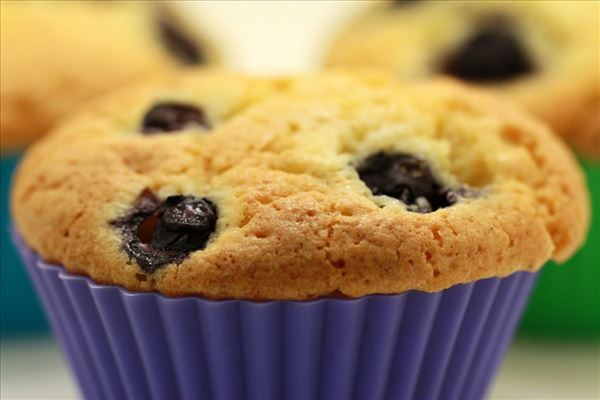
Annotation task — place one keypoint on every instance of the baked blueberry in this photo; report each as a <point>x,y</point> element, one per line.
<point>156,233</point>
<point>169,117</point>
<point>182,47</point>
<point>408,179</point>
<point>491,54</point>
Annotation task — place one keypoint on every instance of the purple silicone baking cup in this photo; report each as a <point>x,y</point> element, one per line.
<point>416,345</point>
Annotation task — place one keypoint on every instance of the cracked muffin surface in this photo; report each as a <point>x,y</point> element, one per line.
<point>543,55</point>
<point>56,54</point>
<point>334,184</point>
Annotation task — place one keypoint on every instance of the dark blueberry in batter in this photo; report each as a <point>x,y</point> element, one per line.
<point>169,117</point>
<point>156,233</point>
<point>492,54</point>
<point>182,47</point>
<point>408,179</point>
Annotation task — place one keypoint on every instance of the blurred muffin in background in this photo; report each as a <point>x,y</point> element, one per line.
<point>56,55</point>
<point>542,55</point>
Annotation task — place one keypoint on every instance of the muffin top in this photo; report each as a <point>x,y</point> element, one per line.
<point>541,54</point>
<point>335,184</point>
<point>57,54</point>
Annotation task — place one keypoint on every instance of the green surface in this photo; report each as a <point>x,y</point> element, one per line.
<point>566,300</point>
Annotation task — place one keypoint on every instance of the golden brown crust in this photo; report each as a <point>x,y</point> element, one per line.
<point>561,37</point>
<point>57,54</point>
<point>295,221</point>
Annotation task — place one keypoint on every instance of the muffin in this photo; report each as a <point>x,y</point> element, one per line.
<point>542,55</point>
<point>334,235</point>
<point>56,55</point>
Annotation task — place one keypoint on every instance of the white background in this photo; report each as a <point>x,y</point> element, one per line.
<point>269,37</point>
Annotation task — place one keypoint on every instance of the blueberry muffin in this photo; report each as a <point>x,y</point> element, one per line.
<point>231,187</point>
<point>540,54</point>
<point>210,235</point>
<point>57,54</point>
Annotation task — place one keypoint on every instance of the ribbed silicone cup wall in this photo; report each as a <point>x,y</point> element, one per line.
<point>444,345</point>
<point>566,300</point>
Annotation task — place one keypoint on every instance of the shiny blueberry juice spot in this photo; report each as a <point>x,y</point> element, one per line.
<point>408,179</point>
<point>157,233</point>
<point>491,54</point>
<point>171,116</point>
